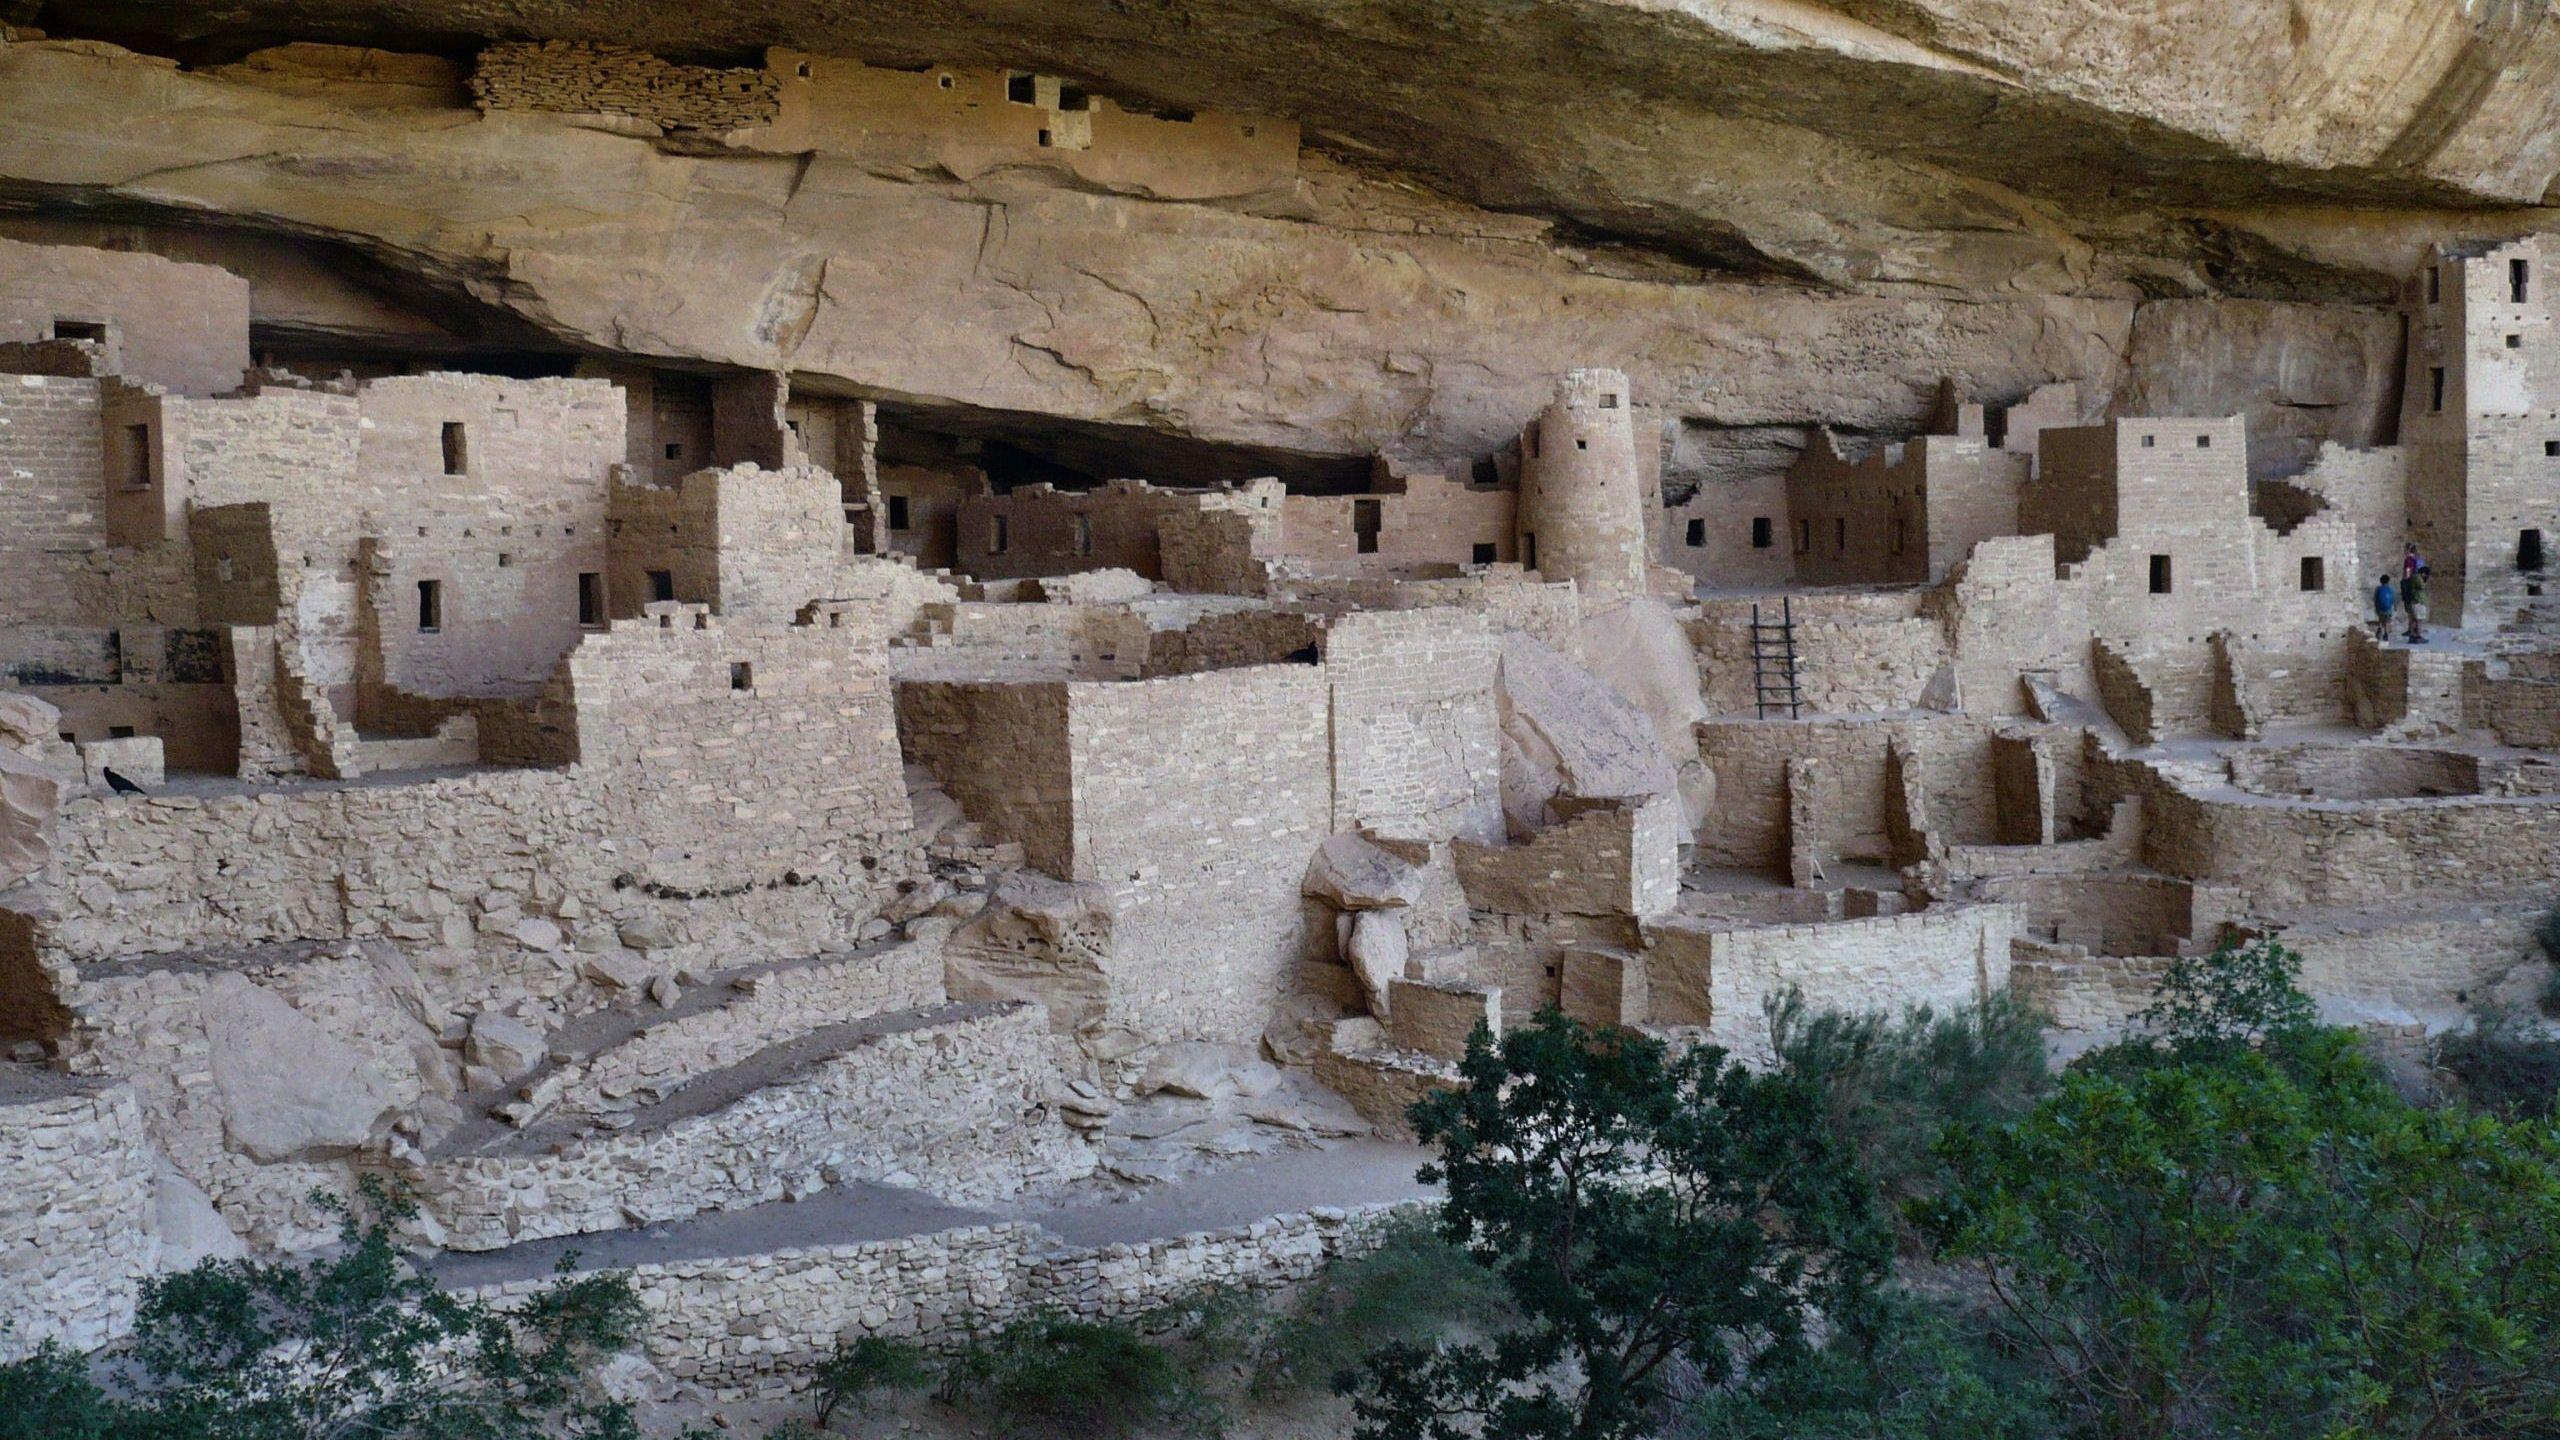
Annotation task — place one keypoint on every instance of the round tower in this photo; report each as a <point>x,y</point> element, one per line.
<point>1582,509</point>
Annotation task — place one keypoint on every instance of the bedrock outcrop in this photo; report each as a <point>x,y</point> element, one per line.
<point>1778,215</point>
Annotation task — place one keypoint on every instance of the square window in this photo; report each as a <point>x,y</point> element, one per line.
<point>2515,342</point>
<point>2159,574</point>
<point>1581,444</point>
<point>897,512</point>
<point>2204,442</point>
<point>1483,553</point>
<point>662,585</point>
<point>505,560</point>
<point>2551,447</point>
<point>742,676</point>
<point>1608,402</point>
<point>1022,89</point>
<point>2150,440</point>
<point>1044,138</point>
<point>2314,573</point>
<point>675,451</point>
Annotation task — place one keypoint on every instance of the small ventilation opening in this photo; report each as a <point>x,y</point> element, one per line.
<point>2528,549</point>
<point>94,330</point>
<point>457,457</point>
<point>999,536</point>
<point>1084,534</point>
<point>2519,280</point>
<point>2435,388</point>
<point>2159,574</point>
<point>742,676</point>
<point>430,606</point>
<point>1484,552</point>
<point>1366,522</point>
<point>137,457</point>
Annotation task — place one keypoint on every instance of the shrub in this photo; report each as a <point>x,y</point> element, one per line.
<point>1920,1369</point>
<point>356,1342</point>
<point>1891,1085</point>
<point>1412,1288</point>
<point>2506,1063</point>
<point>1048,1374</point>
<point>859,1373</point>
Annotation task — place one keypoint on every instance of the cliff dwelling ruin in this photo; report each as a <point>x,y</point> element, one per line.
<point>651,634</point>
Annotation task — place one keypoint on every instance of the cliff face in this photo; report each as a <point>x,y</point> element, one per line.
<point>1771,214</point>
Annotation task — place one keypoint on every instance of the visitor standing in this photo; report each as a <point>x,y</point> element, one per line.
<point>2385,600</point>
<point>2413,599</point>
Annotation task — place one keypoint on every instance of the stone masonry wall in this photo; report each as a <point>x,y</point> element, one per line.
<point>76,1231</point>
<point>185,327</point>
<point>1416,742</point>
<point>617,80</point>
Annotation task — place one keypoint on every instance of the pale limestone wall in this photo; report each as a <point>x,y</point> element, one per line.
<point>1714,535</point>
<point>1950,755</point>
<point>1198,801</point>
<point>671,812</point>
<point>955,1101</point>
<point>979,640</point>
<point>1613,859</point>
<point>750,542</point>
<point>184,327</point>
<point>1427,520</point>
<point>1000,751</point>
<point>1416,743</point>
<point>772,1008</point>
<point>617,80</point>
<point>1718,979</point>
<point>1583,511</point>
<point>2431,969</point>
<point>76,1228</point>
<point>1857,652</point>
<point>2288,853</point>
<point>756,1326</point>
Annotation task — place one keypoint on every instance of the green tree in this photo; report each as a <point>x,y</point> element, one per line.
<point>1640,1207</point>
<point>1924,1370</point>
<point>861,1372</point>
<point>354,1343</point>
<point>2236,1226</point>
<point>2237,997</point>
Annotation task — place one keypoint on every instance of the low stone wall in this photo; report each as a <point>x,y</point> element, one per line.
<point>1620,859</point>
<point>772,1007</point>
<point>616,80</point>
<point>753,1326</point>
<point>76,1228</point>
<point>956,1105</point>
<point>1718,979</point>
<point>2287,854</point>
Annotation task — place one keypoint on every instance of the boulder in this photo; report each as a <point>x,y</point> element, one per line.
<point>534,932</point>
<point>30,796</point>
<point>1350,873</point>
<point>619,970</point>
<point>1378,951</point>
<point>1567,735</point>
<point>1038,939</point>
<point>288,1089</point>
<point>27,723</point>
<point>1204,1071</point>
<point>503,1044</point>
<point>1641,651</point>
<point>191,1231</point>
<point>1299,1028</point>
<point>647,931</point>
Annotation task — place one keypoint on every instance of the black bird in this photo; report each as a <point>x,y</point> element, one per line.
<point>119,784</point>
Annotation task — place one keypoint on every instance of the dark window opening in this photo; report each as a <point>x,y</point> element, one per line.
<point>1760,528</point>
<point>1533,442</point>
<point>1073,97</point>
<point>742,676</point>
<point>80,330</point>
<point>1580,444</point>
<point>1366,522</point>
<point>590,599</point>
<point>1044,138</point>
<point>2519,272</point>
<point>2528,549</point>
<point>675,451</point>
<point>999,536</point>
<point>1486,472</point>
<point>1608,402</point>
<point>2551,447</point>
<point>1529,549</point>
<point>456,459</point>
<point>505,560</point>
<point>2435,283</point>
<point>943,80</point>
<point>897,512</point>
<point>1901,530</point>
<point>430,606</point>
<point>2515,342</point>
<point>1084,534</point>
<point>1697,533</point>
<point>120,732</point>
<point>137,457</point>
<point>2159,574</point>
<point>2150,440</point>
<point>2435,388</point>
<point>1022,89</point>
<point>2314,573</point>
<point>1484,552</point>
<point>662,585</point>
<point>2204,442</point>
<point>1839,532</point>
<point>1804,537</point>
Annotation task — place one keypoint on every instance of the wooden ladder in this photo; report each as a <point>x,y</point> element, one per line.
<point>1773,662</point>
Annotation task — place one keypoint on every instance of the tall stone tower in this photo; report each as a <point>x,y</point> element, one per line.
<point>2480,417</point>
<point>1582,501</point>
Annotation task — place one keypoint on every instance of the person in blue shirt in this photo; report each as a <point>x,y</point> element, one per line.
<point>2385,600</point>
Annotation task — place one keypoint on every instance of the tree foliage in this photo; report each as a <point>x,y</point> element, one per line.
<point>354,1343</point>
<point>1639,1207</point>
